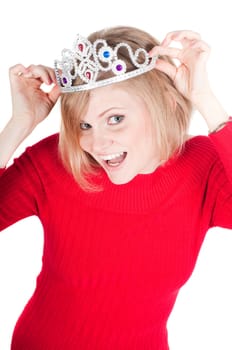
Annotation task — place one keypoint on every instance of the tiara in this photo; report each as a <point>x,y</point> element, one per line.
<point>87,60</point>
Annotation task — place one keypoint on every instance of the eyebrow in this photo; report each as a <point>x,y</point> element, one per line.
<point>109,109</point>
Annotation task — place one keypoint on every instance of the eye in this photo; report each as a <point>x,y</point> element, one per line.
<point>115,119</point>
<point>85,126</point>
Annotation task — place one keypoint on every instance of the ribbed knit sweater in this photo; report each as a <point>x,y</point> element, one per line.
<point>114,261</point>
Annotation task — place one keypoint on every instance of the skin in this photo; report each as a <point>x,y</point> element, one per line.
<point>31,105</point>
<point>117,132</point>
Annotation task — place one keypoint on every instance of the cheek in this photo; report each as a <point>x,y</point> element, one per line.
<point>140,134</point>
<point>85,142</point>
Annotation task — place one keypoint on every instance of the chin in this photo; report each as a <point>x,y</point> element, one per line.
<point>120,180</point>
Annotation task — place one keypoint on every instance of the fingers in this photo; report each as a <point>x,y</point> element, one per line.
<point>45,74</point>
<point>17,70</point>
<point>195,46</point>
<point>54,94</point>
<point>201,46</point>
<point>166,68</point>
<point>165,51</point>
<point>191,56</point>
<point>187,38</point>
<point>180,35</point>
<point>42,73</point>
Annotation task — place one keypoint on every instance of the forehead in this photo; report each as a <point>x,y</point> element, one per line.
<point>111,96</point>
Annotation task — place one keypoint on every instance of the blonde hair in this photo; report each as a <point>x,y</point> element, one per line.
<point>170,110</point>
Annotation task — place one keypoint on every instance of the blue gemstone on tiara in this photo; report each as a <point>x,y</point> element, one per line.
<point>106,54</point>
<point>86,60</point>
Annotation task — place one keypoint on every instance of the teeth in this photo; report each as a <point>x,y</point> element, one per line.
<point>112,156</point>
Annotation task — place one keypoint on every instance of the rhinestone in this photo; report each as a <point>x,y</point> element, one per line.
<point>106,54</point>
<point>88,75</point>
<point>119,67</point>
<point>65,80</point>
<point>81,47</point>
<point>84,61</point>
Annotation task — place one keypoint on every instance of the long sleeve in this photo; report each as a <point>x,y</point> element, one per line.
<point>222,141</point>
<point>114,260</point>
<point>222,177</point>
<point>19,188</point>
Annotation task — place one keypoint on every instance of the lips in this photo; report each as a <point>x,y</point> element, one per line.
<point>115,159</point>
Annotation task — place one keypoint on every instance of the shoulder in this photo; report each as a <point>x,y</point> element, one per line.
<point>198,155</point>
<point>48,143</point>
<point>44,159</point>
<point>43,156</point>
<point>200,148</point>
<point>46,148</point>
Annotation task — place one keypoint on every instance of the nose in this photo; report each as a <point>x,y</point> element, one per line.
<point>101,141</point>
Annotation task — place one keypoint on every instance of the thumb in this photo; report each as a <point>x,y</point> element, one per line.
<point>166,68</point>
<point>54,94</point>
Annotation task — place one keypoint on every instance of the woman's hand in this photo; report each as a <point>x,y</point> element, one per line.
<point>190,76</point>
<point>31,104</point>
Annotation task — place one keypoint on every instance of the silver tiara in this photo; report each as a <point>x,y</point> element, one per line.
<point>87,60</point>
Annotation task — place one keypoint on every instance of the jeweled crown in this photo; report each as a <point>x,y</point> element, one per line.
<point>86,60</point>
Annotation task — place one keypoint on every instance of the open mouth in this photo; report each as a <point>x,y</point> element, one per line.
<point>114,160</point>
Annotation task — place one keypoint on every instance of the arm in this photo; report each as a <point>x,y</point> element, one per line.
<point>21,191</point>
<point>20,186</point>
<point>191,79</point>
<point>10,138</point>
<point>30,105</point>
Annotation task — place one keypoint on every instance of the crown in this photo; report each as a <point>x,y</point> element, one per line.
<point>86,60</point>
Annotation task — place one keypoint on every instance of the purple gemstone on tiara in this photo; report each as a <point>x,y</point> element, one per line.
<point>65,80</point>
<point>119,67</point>
<point>106,54</point>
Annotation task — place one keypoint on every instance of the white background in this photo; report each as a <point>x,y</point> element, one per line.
<point>35,32</point>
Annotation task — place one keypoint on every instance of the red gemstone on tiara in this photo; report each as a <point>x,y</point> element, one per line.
<point>80,47</point>
<point>88,75</point>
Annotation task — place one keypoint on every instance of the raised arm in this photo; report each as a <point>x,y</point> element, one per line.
<point>191,79</point>
<point>30,105</point>
<point>190,76</point>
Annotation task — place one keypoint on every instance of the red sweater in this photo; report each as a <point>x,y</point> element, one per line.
<point>114,261</point>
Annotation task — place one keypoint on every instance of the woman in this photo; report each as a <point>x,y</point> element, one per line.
<point>124,194</point>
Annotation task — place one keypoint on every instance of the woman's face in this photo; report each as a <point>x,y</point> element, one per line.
<point>117,132</point>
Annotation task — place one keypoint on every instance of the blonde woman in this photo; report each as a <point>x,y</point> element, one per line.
<point>124,194</point>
